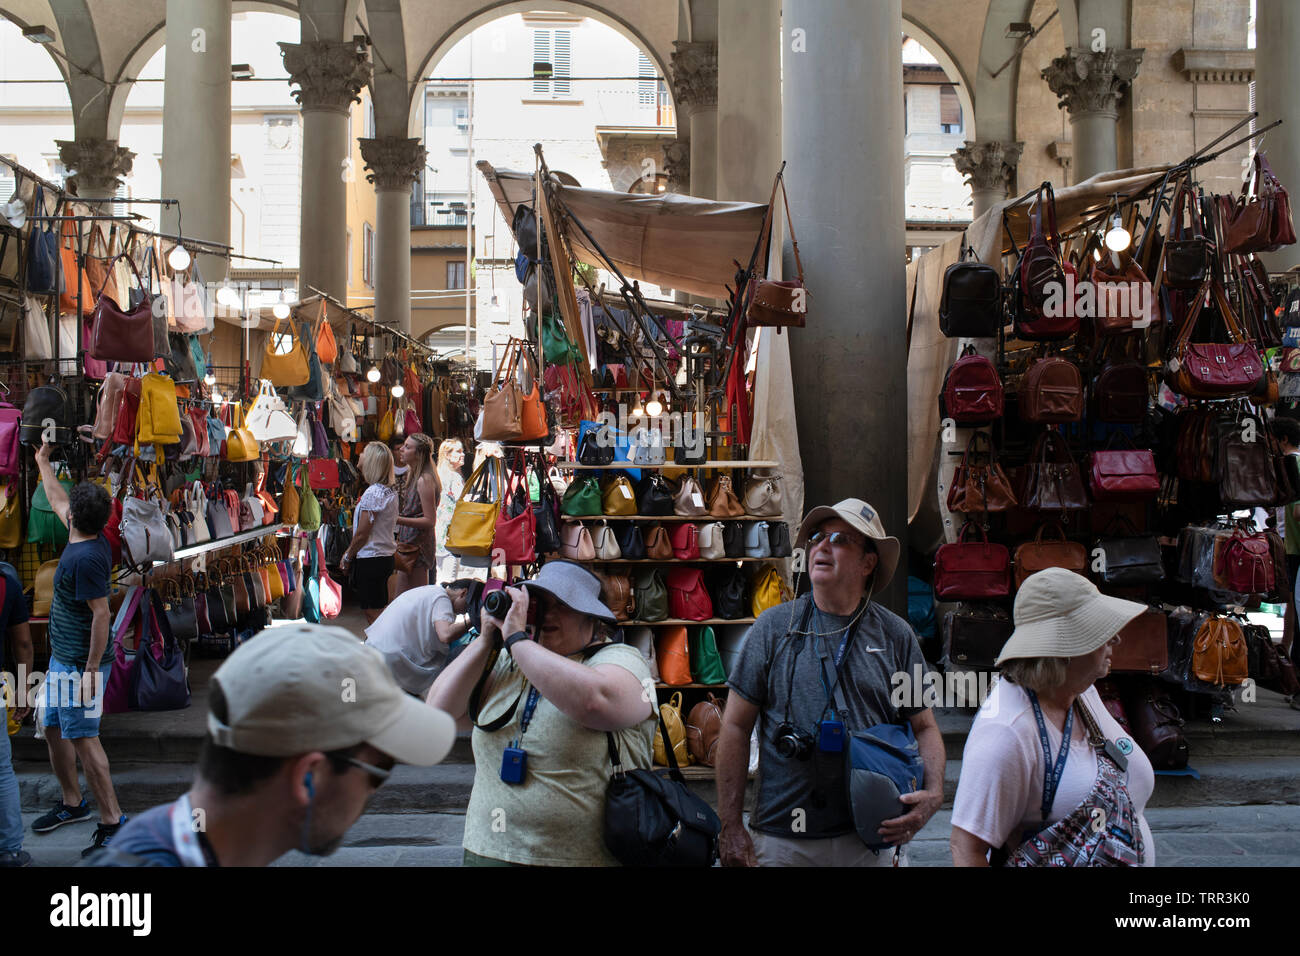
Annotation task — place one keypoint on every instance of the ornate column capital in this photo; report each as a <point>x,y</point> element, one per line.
<point>990,165</point>
<point>1087,82</point>
<point>100,164</point>
<point>677,166</point>
<point>394,162</point>
<point>329,73</point>
<point>695,76</point>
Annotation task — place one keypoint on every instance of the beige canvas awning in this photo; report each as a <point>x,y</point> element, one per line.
<point>676,242</point>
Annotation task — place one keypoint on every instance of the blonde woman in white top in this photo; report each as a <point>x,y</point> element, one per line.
<point>370,555</point>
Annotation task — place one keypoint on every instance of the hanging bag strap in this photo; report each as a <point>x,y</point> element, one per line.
<point>790,222</point>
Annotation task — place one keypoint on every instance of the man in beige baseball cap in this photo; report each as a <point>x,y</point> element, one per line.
<point>818,669</point>
<point>305,722</point>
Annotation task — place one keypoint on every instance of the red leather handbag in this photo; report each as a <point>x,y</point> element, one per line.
<point>1124,474</point>
<point>688,600</point>
<point>232,502</point>
<point>685,538</point>
<point>1248,564</point>
<point>972,570</point>
<point>515,535</point>
<point>124,429</point>
<point>972,390</point>
<point>1042,311</point>
<point>1143,645</point>
<point>1213,369</point>
<point>323,473</point>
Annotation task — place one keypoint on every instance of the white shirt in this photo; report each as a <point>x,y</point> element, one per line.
<point>406,636</point>
<point>1000,791</point>
<point>381,502</point>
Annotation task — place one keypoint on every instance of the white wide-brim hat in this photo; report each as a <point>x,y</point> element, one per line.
<point>864,518</point>
<point>1060,613</point>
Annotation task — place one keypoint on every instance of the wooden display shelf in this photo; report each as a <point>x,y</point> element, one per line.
<point>618,465</point>
<point>702,519</point>
<point>712,620</point>
<point>675,560</point>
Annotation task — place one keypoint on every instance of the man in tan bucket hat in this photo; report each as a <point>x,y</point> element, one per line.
<point>816,670</point>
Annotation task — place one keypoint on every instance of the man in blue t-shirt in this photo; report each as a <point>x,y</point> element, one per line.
<point>13,620</point>
<point>79,669</point>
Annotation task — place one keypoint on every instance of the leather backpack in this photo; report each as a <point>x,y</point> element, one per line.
<point>1119,390</point>
<point>651,596</point>
<point>972,391</point>
<point>688,599</point>
<point>630,542</point>
<point>1051,392</point>
<point>972,569</point>
<point>1219,653</point>
<point>703,727</point>
<point>45,402</point>
<point>728,589</point>
<point>1246,564</point>
<point>971,303</point>
<point>1041,309</point>
<point>616,594</point>
<point>1034,556</point>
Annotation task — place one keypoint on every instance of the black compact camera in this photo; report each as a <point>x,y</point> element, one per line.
<point>793,743</point>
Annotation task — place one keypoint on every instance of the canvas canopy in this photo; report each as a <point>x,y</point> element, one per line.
<point>675,242</point>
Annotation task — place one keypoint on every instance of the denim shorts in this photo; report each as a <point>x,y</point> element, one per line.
<point>64,707</point>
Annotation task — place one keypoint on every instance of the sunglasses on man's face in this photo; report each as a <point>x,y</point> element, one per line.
<point>838,539</point>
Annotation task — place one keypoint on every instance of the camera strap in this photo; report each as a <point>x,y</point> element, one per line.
<point>796,634</point>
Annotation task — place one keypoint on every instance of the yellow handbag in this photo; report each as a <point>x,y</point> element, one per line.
<point>274,584</point>
<point>44,588</point>
<point>617,498</point>
<point>11,518</point>
<point>240,443</point>
<point>769,590</point>
<point>671,713</point>
<point>473,523</point>
<point>289,500</point>
<point>158,420</point>
<point>385,430</point>
<point>290,368</point>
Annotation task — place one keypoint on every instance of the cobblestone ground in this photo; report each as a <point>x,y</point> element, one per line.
<point>1197,836</point>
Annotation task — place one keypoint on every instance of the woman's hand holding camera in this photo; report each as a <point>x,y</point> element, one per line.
<point>516,618</point>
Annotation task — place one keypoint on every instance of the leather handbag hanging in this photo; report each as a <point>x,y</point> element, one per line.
<point>971,303</point>
<point>763,496</point>
<point>1041,312</point>
<point>723,502</point>
<point>1034,556</point>
<point>1132,559</point>
<point>779,303</point>
<point>972,390</point>
<point>980,486</point>
<point>326,347</point>
<point>1052,392</point>
<point>474,520</point>
<point>688,599</point>
<point>1124,474</point>
<point>1051,480</point>
<point>1143,645</point>
<point>1119,392</point>
<point>685,539</point>
<point>966,570</point>
<point>658,546</point>
<point>515,536</point>
<point>1123,295</point>
<point>241,445</point>
<point>1245,469</point>
<point>618,499</point>
<point>1212,369</point>
<point>1186,263</point>
<point>47,402</point>
<point>630,542</point>
<point>1219,654</point>
<point>1157,726</point>
<point>689,500</point>
<point>974,634</point>
<point>122,335</point>
<point>290,368</point>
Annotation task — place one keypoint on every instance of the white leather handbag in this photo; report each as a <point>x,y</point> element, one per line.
<point>606,542</point>
<point>269,419</point>
<point>196,503</point>
<point>145,534</point>
<point>302,437</point>
<point>711,546</point>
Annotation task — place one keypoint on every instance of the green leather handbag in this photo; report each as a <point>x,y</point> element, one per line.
<point>651,596</point>
<point>706,662</point>
<point>43,525</point>
<point>582,498</point>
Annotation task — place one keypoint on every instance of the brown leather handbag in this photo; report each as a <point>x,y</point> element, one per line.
<point>1051,392</point>
<point>1143,645</point>
<point>1033,556</point>
<point>1245,469</point>
<point>616,594</point>
<point>723,502</point>
<point>1120,295</point>
<point>1051,480</point>
<point>658,546</point>
<point>777,303</point>
<point>980,486</point>
<point>290,369</point>
<point>688,502</point>
<point>1157,727</point>
<point>1219,654</point>
<point>118,336</point>
<point>1214,369</point>
<point>703,727</point>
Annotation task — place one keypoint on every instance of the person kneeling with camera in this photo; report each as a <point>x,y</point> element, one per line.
<point>540,686</point>
<point>819,670</point>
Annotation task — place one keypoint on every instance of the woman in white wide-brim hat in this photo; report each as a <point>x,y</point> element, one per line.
<point>1024,796</point>
<point>540,691</point>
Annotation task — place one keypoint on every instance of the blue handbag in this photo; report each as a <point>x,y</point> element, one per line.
<point>43,276</point>
<point>216,433</point>
<point>314,390</point>
<point>882,763</point>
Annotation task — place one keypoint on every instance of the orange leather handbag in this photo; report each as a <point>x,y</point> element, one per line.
<point>326,348</point>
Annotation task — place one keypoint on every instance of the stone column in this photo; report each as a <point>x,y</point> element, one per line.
<point>196,124</point>
<point>99,164</point>
<point>394,163</point>
<point>677,166</point>
<point>1090,85</point>
<point>846,194</point>
<point>1277,78</point>
<point>990,171</point>
<point>695,88</point>
<point>749,98</point>
<point>329,75</point>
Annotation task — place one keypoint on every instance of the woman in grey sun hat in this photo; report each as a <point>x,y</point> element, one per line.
<point>539,692</point>
<point>1024,798</point>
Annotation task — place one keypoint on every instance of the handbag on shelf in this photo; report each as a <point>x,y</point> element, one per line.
<point>656,498</point>
<point>618,499</point>
<point>779,539</point>
<point>630,542</point>
<point>688,598</point>
<point>980,486</point>
<point>710,542</point>
<point>763,496</point>
<point>757,540</point>
<point>768,591</point>
<point>688,502</point>
<point>672,652</point>
<point>1157,727</point>
<point>685,539</point>
<point>729,591</point>
<point>704,725</point>
<point>582,499</point>
<point>651,595</point>
<point>616,594</point>
<point>723,502</point>
<point>658,546</point>
<point>733,539</point>
<point>1034,556</point>
<point>965,570</point>
<point>1051,479</point>
<point>605,542</point>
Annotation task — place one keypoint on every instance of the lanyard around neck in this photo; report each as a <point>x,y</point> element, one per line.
<point>1052,775</point>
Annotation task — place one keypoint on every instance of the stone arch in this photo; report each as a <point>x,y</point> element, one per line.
<point>961,81</point>
<point>503,8</point>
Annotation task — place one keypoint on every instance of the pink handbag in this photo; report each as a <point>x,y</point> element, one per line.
<point>118,692</point>
<point>331,593</point>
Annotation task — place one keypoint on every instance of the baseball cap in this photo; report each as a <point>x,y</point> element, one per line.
<point>303,687</point>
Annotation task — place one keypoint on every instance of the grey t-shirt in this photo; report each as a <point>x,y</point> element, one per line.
<point>883,646</point>
<point>408,638</point>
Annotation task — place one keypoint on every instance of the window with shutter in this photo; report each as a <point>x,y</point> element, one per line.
<point>560,51</point>
<point>8,180</point>
<point>647,87</point>
<point>541,54</point>
<point>949,110</point>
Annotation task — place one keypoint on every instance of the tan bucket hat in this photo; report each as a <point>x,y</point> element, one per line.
<point>864,518</point>
<point>1060,613</point>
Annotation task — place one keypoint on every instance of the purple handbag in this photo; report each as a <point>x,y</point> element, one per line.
<point>158,680</point>
<point>320,443</point>
<point>117,695</point>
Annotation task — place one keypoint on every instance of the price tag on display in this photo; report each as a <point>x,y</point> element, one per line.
<point>697,499</point>
<point>627,492</point>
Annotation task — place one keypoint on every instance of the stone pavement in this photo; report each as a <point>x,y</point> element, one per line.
<point>1196,836</point>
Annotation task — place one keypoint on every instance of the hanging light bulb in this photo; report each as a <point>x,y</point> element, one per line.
<point>1118,239</point>
<point>209,380</point>
<point>216,397</point>
<point>179,258</point>
<point>373,374</point>
<point>654,408</point>
<point>398,391</point>
<point>639,411</point>
<point>228,296</point>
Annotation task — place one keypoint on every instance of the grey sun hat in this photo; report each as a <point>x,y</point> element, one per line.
<point>573,586</point>
<point>864,519</point>
<point>1059,613</point>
